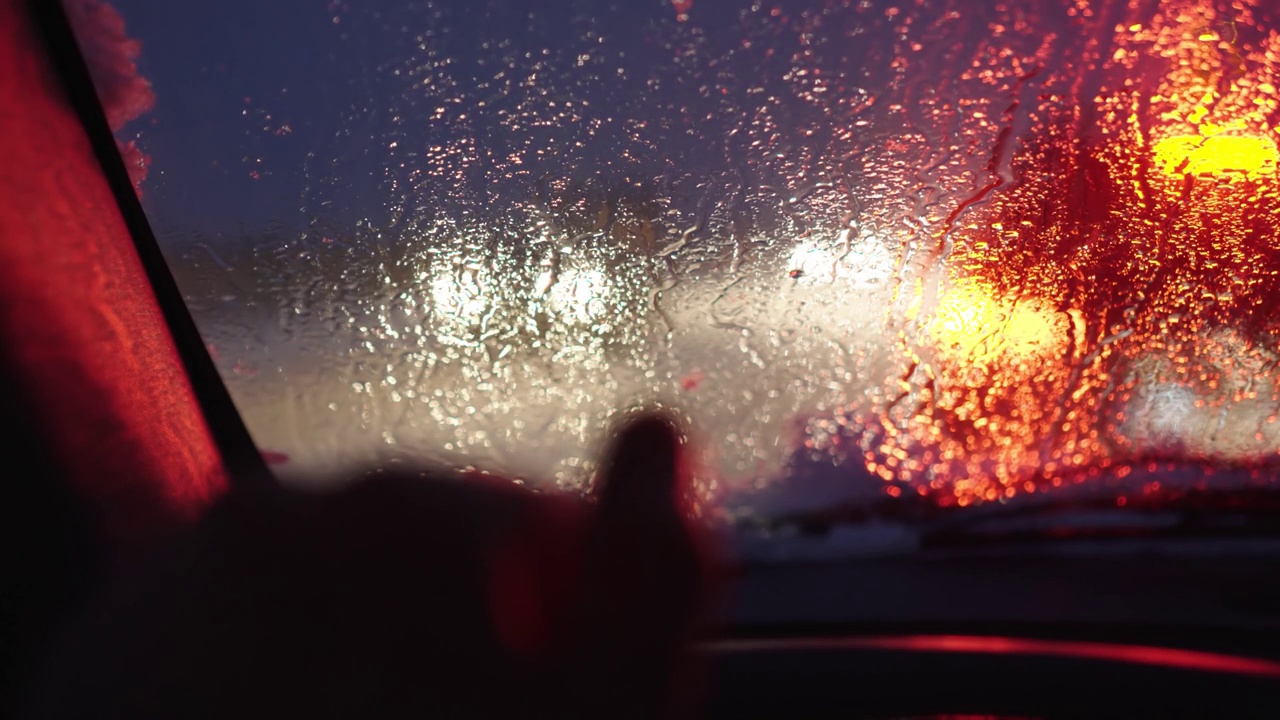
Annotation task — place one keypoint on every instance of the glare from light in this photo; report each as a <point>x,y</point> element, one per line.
<point>973,324</point>
<point>580,296</point>
<point>811,263</point>
<point>459,296</point>
<point>1250,156</point>
<point>865,265</point>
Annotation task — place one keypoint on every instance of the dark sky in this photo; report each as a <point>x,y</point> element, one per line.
<point>217,69</point>
<point>270,115</point>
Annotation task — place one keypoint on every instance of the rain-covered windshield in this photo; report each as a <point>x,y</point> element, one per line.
<point>938,250</point>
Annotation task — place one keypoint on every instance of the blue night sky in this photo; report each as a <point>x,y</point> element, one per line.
<point>270,115</point>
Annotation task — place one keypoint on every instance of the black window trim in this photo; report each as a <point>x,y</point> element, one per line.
<point>241,458</point>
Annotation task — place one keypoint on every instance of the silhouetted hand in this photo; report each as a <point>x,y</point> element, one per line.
<point>405,595</point>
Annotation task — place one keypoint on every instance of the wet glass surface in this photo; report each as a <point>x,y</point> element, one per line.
<point>870,250</point>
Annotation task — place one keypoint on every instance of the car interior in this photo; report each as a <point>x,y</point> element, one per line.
<point>125,428</point>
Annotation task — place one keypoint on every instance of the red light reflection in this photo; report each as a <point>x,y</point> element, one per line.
<point>1172,658</point>
<point>1107,295</point>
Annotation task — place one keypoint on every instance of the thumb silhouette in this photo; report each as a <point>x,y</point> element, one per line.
<point>406,593</point>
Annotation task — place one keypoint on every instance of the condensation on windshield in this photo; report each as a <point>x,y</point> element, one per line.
<point>869,249</point>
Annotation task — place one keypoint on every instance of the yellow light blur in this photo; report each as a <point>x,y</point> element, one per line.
<point>1250,156</point>
<point>972,325</point>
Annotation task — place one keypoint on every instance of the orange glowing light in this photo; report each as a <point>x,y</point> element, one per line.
<point>1091,311</point>
<point>1250,156</point>
<point>972,324</point>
